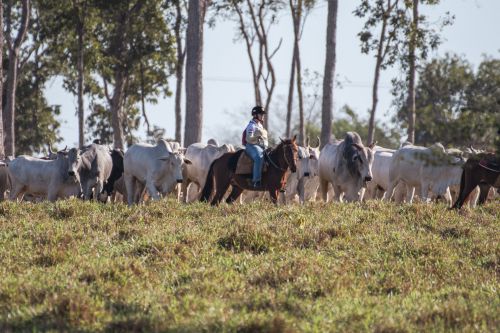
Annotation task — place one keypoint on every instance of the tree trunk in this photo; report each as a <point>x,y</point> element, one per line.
<point>117,108</point>
<point>10,105</point>
<point>329,75</point>
<point>378,65</point>
<point>79,65</point>
<point>411,84</point>
<point>297,17</point>
<point>2,149</point>
<point>290,95</point>
<point>194,72</point>
<point>179,73</point>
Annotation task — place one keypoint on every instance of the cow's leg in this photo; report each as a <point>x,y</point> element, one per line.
<point>184,188</point>
<point>16,191</point>
<point>52,196</point>
<point>234,195</point>
<point>447,197</point>
<point>390,191</point>
<point>323,185</point>
<point>410,193</point>
<point>424,192</point>
<point>301,190</point>
<point>130,188</point>
<point>98,189</point>
<point>337,192</point>
<point>152,190</point>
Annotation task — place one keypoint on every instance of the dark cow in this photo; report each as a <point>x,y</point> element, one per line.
<point>482,170</point>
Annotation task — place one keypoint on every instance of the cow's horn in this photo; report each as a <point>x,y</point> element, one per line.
<point>358,146</point>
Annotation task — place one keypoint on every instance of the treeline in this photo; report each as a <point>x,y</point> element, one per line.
<point>116,57</point>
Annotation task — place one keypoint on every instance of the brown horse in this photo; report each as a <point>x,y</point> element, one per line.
<point>222,171</point>
<point>482,170</point>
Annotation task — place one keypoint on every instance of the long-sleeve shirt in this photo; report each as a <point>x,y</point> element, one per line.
<point>256,134</point>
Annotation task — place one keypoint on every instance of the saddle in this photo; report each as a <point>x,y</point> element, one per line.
<point>245,165</point>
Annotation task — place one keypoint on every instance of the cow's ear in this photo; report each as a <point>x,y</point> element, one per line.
<point>372,145</point>
<point>312,157</point>
<point>164,158</point>
<point>187,161</point>
<point>294,139</point>
<point>358,146</point>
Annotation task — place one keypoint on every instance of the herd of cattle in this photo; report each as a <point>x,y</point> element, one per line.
<point>344,170</point>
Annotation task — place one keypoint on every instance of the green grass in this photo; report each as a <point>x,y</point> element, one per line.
<point>167,267</point>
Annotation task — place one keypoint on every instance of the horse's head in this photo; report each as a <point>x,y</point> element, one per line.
<point>290,152</point>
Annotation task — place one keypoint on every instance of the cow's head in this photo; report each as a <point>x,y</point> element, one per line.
<point>172,170</point>
<point>359,160</point>
<point>74,162</point>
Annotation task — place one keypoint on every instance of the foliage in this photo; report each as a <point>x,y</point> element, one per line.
<point>455,105</point>
<point>165,267</point>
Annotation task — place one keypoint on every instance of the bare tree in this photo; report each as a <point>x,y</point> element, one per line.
<point>194,72</point>
<point>328,78</point>
<point>255,19</point>
<point>411,73</point>
<point>13,48</point>
<point>79,9</point>
<point>2,149</point>
<point>378,13</point>
<point>179,69</point>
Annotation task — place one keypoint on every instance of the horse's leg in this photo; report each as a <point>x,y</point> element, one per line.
<point>274,196</point>
<point>467,184</point>
<point>234,195</point>
<point>221,185</point>
<point>484,189</point>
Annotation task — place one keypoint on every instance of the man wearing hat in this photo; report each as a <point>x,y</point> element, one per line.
<point>254,139</point>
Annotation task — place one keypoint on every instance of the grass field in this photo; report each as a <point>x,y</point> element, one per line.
<point>167,267</point>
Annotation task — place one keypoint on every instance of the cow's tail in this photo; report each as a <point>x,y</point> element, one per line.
<point>209,184</point>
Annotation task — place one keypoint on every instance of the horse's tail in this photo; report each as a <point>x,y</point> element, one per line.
<point>209,184</point>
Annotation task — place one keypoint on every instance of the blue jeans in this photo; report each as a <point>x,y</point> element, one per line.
<point>256,153</point>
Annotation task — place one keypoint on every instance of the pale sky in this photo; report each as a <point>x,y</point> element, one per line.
<point>228,92</point>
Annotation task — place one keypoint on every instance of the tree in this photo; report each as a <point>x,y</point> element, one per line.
<point>178,16</point>
<point>299,10</point>
<point>387,15</point>
<point>137,57</point>
<point>194,71</point>
<point>2,149</point>
<point>254,20</point>
<point>456,106</point>
<point>14,48</point>
<point>417,37</point>
<point>329,73</point>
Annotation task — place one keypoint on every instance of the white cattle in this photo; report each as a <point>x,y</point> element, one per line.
<point>305,182</point>
<point>430,169</point>
<point>347,166</point>
<point>94,169</point>
<point>52,179</point>
<point>201,156</point>
<point>158,168</point>
<point>376,188</point>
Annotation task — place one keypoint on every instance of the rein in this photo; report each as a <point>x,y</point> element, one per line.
<point>268,156</point>
<point>482,164</point>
